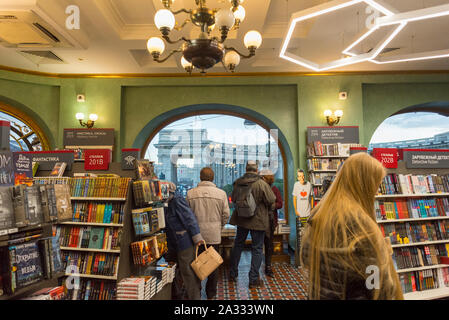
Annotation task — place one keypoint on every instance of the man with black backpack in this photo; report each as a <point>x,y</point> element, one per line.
<point>253,199</point>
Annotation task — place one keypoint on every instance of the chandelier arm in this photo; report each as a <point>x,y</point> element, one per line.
<point>167,57</point>
<point>224,66</point>
<point>167,38</point>
<point>181,11</point>
<point>179,28</point>
<point>251,53</point>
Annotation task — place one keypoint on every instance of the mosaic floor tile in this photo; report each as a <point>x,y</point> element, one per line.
<point>289,283</point>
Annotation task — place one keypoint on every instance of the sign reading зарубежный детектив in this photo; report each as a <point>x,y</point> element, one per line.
<point>426,158</point>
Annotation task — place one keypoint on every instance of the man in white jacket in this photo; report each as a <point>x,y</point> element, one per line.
<point>211,208</point>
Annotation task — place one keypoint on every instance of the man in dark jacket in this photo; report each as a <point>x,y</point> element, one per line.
<point>256,225</point>
<point>183,236</point>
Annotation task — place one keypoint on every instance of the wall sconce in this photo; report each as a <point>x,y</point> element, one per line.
<point>90,123</point>
<point>333,120</point>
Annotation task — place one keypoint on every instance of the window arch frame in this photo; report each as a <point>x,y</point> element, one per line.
<point>26,119</point>
<point>188,114</point>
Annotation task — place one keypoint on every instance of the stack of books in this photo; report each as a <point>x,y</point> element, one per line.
<point>131,289</point>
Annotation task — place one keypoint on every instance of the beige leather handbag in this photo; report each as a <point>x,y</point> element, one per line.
<point>206,262</point>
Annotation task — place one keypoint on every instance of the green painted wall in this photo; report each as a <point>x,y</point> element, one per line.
<point>291,102</point>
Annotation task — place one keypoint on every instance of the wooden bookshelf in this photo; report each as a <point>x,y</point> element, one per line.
<point>94,276</point>
<point>431,294</point>
<point>90,250</point>
<point>124,264</point>
<point>412,219</point>
<point>96,224</point>
<point>428,294</point>
<point>96,199</point>
<point>324,171</point>
<point>412,195</point>
<point>437,266</point>
<point>424,243</point>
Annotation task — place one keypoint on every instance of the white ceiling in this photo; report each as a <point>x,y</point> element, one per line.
<point>113,34</point>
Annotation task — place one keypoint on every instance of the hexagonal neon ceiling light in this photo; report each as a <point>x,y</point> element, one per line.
<point>410,16</point>
<point>331,7</point>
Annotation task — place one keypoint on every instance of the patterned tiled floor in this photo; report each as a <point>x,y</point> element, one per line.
<point>288,283</point>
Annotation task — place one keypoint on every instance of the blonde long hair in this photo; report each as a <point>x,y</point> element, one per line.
<point>343,229</point>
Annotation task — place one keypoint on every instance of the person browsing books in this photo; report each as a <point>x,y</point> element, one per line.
<point>183,236</point>
<point>343,248</point>
<point>268,176</point>
<point>253,199</point>
<point>211,208</point>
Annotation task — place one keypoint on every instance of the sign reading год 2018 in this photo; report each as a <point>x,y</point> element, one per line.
<point>333,134</point>
<point>426,158</point>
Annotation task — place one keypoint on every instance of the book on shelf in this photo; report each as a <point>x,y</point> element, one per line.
<point>416,232</point>
<point>99,187</point>
<point>91,263</point>
<point>58,169</point>
<point>422,256</point>
<point>63,202</point>
<point>7,217</point>
<point>411,208</point>
<point>144,252</point>
<point>323,164</point>
<point>98,212</point>
<point>146,192</point>
<point>419,280</point>
<point>393,184</point>
<point>165,190</point>
<point>53,293</point>
<point>50,253</point>
<point>35,168</point>
<point>317,148</point>
<point>145,170</point>
<point>33,205</point>
<point>88,237</point>
<point>21,266</point>
<point>92,289</point>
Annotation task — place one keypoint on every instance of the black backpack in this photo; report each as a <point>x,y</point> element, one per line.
<point>245,205</point>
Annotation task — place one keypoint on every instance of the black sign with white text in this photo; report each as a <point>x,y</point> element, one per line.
<point>88,137</point>
<point>426,159</point>
<point>328,135</point>
<point>48,159</point>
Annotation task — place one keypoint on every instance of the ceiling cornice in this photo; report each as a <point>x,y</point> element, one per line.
<point>217,74</point>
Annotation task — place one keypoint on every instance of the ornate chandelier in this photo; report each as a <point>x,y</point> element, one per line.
<point>205,51</point>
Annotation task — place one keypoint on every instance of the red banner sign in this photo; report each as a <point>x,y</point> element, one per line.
<point>388,157</point>
<point>97,159</point>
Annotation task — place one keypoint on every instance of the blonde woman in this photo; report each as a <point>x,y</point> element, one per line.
<point>343,248</point>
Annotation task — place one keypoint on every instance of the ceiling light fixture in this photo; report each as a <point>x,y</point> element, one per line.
<point>415,15</point>
<point>205,51</point>
<point>327,8</point>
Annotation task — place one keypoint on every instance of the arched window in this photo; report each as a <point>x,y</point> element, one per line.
<point>220,141</point>
<point>25,135</point>
<point>413,130</point>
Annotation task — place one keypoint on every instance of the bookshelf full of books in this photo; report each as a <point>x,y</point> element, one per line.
<point>323,161</point>
<point>91,239</point>
<point>412,210</point>
<point>30,257</point>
